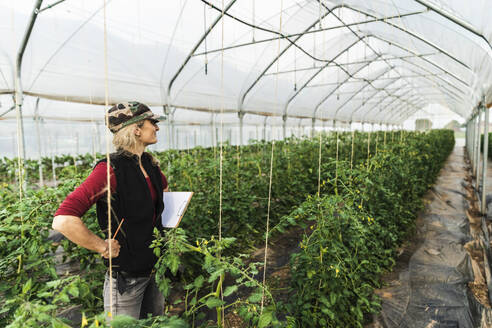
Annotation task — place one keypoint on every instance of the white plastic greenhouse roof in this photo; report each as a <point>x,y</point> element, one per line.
<point>375,61</point>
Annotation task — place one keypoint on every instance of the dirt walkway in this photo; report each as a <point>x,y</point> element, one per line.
<point>435,283</point>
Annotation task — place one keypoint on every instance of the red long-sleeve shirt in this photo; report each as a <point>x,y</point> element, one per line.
<point>93,188</point>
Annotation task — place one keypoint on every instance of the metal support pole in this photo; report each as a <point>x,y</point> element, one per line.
<point>171,129</point>
<point>313,123</point>
<point>264,128</point>
<point>21,151</point>
<point>241,124</point>
<point>485,155</point>
<point>40,162</point>
<point>284,126</point>
<point>477,166</point>
<point>472,143</point>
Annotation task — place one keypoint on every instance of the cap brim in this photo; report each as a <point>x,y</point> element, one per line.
<point>157,118</point>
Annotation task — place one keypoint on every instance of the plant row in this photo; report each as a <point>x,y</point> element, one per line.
<point>33,291</point>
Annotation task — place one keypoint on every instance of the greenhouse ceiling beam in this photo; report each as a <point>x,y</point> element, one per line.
<point>414,35</point>
<point>380,101</point>
<point>338,87</point>
<point>415,101</point>
<point>377,91</point>
<point>50,6</point>
<point>358,80</point>
<point>396,112</point>
<point>8,111</point>
<point>180,69</point>
<point>360,89</point>
<point>388,95</point>
<point>242,97</point>
<point>353,32</point>
<point>405,115</point>
<point>454,19</point>
<point>436,85</point>
<point>274,32</point>
<point>298,34</point>
<point>423,58</point>
<point>346,64</point>
<point>430,72</point>
<point>286,106</point>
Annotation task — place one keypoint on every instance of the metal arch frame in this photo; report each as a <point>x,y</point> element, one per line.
<point>418,102</point>
<point>408,32</point>
<point>402,114</point>
<point>380,103</point>
<point>339,85</point>
<point>394,96</point>
<point>319,71</point>
<point>330,10</point>
<point>391,43</point>
<point>21,150</point>
<point>425,86</point>
<point>360,89</point>
<point>357,35</point>
<point>442,88</point>
<point>376,117</point>
<point>418,37</point>
<point>346,80</point>
<point>210,28</point>
<point>428,71</point>
<point>304,33</point>
<point>430,80</point>
<point>454,19</point>
<point>408,102</point>
<point>311,67</point>
<point>424,59</point>
<point>378,90</point>
<point>242,97</point>
<point>399,111</point>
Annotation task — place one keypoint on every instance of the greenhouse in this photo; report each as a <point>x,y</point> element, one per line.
<point>245,163</point>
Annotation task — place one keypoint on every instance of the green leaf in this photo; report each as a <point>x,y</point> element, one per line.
<point>333,298</point>
<point>27,286</point>
<point>230,289</point>
<point>199,281</point>
<point>265,319</point>
<point>213,302</point>
<point>73,290</point>
<point>255,298</point>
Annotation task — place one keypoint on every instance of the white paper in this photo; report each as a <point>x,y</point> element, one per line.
<point>175,204</point>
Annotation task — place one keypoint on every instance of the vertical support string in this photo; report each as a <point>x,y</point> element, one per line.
<point>108,161</point>
<point>271,173</point>
<point>352,152</point>
<point>368,146</point>
<point>336,162</point>
<point>221,146</point>
<point>267,229</point>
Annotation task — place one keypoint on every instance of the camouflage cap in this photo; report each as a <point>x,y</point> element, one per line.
<point>124,114</point>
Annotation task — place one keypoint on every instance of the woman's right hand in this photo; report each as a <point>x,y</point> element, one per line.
<point>115,248</point>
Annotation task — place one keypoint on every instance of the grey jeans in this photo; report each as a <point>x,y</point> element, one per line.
<point>141,297</point>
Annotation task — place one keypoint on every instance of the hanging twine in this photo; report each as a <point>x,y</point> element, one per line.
<point>108,162</point>
<point>270,182</point>
<point>221,155</point>
<point>267,229</point>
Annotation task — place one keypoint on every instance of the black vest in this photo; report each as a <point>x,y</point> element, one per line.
<point>133,202</point>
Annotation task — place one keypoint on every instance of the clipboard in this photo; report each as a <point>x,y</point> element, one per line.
<point>175,205</point>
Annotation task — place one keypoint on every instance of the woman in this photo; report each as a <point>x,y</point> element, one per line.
<point>136,186</point>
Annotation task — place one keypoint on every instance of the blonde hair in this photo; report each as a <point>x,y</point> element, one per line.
<point>125,140</point>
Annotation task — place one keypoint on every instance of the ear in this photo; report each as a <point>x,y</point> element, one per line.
<point>137,131</point>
